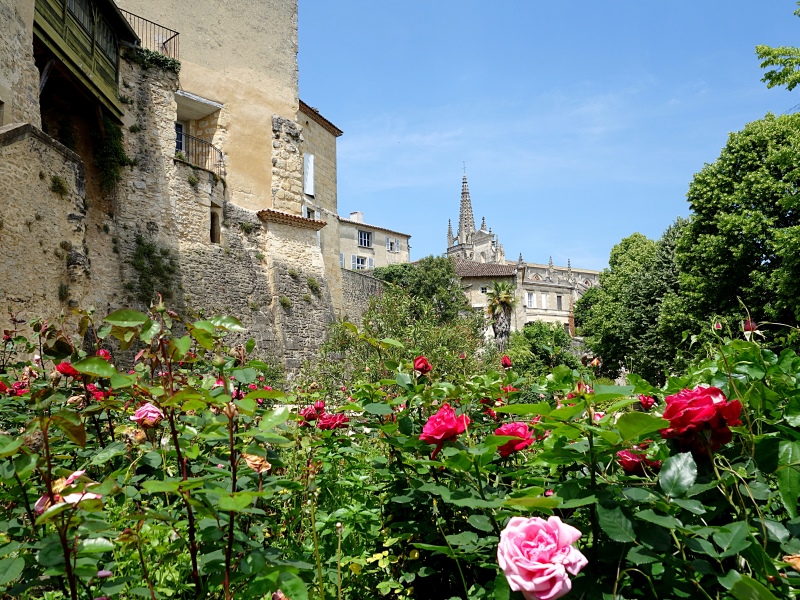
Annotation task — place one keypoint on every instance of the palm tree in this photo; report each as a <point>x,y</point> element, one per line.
<point>501,301</point>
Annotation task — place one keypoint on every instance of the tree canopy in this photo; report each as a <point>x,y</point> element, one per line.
<point>786,63</point>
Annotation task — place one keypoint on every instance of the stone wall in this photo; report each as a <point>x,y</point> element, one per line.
<point>287,166</point>
<point>357,289</point>
<point>43,263</point>
<point>19,77</point>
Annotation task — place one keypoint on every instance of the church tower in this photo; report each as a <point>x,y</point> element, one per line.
<point>466,222</point>
<point>480,245</point>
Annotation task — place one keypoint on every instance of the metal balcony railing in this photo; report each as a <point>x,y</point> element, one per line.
<point>154,36</point>
<point>199,153</point>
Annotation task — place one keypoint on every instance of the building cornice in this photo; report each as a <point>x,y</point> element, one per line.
<point>275,216</point>
<point>313,113</point>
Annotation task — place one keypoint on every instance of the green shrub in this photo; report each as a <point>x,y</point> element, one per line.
<point>285,302</point>
<point>58,185</point>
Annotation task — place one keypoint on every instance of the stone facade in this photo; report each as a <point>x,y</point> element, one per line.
<point>357,288</point>
<point>365,247</point>
<point>19,78</point>
<point>543,292</point>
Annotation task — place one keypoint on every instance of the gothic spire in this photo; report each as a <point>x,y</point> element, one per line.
<point>449,233</point>
<point>466,222</point>
<point>483,223</point>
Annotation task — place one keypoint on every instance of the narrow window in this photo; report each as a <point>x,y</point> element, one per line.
<point>310,213</point>
<point>361,263</point>
<point>558,303</point>
<point>215,223</point>
<point>530,299</point>
<point>544,301</point>
<point>341,259</point>
<point>180,137</point>
<point>308,174</point>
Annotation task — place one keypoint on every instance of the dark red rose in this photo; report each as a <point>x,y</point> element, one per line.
<point>66,368</point>
<point>647,402</point>
<point>332,421</point>
<point>505,362</point>
<point>422,365</point>
<point>701,418</point>
<point>635,463</point>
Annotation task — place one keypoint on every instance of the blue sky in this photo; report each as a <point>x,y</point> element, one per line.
<point>580,122</point>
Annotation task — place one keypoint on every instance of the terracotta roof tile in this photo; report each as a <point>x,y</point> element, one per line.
<point>277,216</point>
<point>312,112</point>
<point>471,268</point>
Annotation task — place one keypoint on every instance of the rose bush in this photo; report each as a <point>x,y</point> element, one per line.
<point>700,419</point>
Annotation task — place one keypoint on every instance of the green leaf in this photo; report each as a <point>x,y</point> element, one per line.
<point>11,569</point>
<point>603,393</point>
<point>641,556</point>
<point>119,381</point>
<point>634,424</point>
<point>266,394</point>
<point>126,318</point>
<point>541,408</point>
<point>534,502</point>
<point>247,375</point>
<point>11,447</point>
<point>665,521</point>
<point>747,588</point>
<point>246,406</point>
<point>502,591</point>
<point>109,452</point>
<point>95,546</point>
<point>149,330</point>
<point>732,538</point>
<point>96,366</point>
<point>616,525</point>
<point>292,586</point>
<point>204,339</point>
<point>678,474</point>
<point>178,347</point>
<point>227,323</point>
<point>390,342</point>
<point>565,413</point>
<point>378,408</point>
<point>235,502</point>
<point>274,418</point>
<point>693,506</point>
<point>789,476</point>
<point>51,512</point>
<point>480,522</point>
<point>70,423</point>
<point>462,539</point>
<point>51,554</point>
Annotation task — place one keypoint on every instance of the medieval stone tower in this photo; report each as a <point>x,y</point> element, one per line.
<point>469,243</point>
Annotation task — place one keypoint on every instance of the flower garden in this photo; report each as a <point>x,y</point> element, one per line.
<point>193,472</point>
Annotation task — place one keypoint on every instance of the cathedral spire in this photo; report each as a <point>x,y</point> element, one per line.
<point>449,233</point>
<point>466,222</point>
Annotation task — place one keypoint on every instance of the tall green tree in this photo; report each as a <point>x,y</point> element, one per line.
<point>785,63</point>
<point>500,302</point>
<point>742,244</point>
<point>432,279</point>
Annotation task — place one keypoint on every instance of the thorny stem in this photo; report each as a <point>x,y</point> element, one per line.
<point>24,493</point>
<point>229,548</point>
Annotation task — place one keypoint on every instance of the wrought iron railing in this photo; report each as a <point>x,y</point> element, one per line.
<point>154,36</point>
<point>199,153</point>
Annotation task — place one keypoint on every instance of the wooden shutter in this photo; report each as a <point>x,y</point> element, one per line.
<point>371,263</point>
<point>388,242</point>
<point>353,262</point>
<point>308,174</point>
<point>341,259</point>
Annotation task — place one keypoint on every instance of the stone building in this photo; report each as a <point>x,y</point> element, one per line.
<point>365,247</point>
<point>120,178</point>
<point>542,292</point>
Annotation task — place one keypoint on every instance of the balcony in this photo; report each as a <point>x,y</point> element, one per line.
<point>199,153</point>
<point>154,37</point>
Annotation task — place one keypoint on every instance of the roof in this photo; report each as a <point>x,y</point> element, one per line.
<point>319,119</point>
<point>471,268</point>
<point>277,216</point>
<point>366,225</point>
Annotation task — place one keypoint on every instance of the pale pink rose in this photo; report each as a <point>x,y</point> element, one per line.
<point>148,415</point>
<point>42,504</point>
<point>78,496</point>
<point>537,557</point>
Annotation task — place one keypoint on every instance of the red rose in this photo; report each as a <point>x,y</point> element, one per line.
<point>310,413</point>
<point>750,325</point>
<point>422,365</point>
<point>701,418</point>
<point>66,368</point>
<point>3,388</point>
<point>104,354</point>
<point>517,430</point>
<point>505,362</point>
<point>647,402</point>
<point>443,426</point>
<point>329,421</point>
<point>634,463</point>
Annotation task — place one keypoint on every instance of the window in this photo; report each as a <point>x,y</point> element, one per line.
<point>392,244</point>
<point>180,139</point>
<point>82,12</point>
<point>310,213</point>
<point>365,239</point>
<point>484,289</point>
<point>106,40</point>
<point>308,174</point>
<point>216,214</point>
<point>544,301</point>
<point>531,300</point>
<point>361,263</point>
<point>559,305</point>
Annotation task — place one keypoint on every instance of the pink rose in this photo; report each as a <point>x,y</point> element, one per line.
<point>332,421</point>
<point>443,426</point>
<point>537,557</point>
<point>647,402</point>
<point>519,431</point>
<point>148,415</point>
<point>104,354</point>
<point>505,362</point>
<point>422,365</point>
<point>701,418</point>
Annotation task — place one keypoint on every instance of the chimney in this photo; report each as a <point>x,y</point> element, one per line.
<point>357,216</point>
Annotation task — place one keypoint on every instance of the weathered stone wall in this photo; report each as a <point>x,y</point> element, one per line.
<point>287,166</point>
<point>357,289</point>
<point>320,142</point>
<point>43,264</point>
<point>19,77</point>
